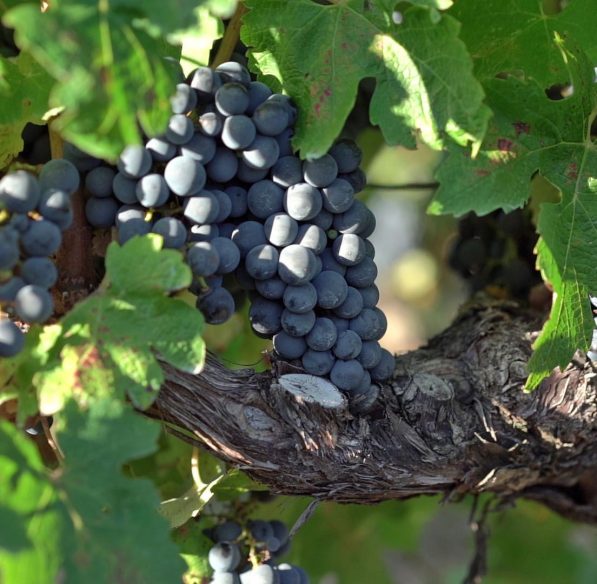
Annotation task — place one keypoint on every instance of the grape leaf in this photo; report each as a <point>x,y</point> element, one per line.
<point>86,522</point>
<point>530,133</point>
<point>320,53</point>
<point>24,95</point>
<point>500,34</point>
<point>108,342</point>
<point>110,72</point>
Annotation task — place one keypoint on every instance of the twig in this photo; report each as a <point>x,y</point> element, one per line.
<point>230,38</point>
<point>56,142</point>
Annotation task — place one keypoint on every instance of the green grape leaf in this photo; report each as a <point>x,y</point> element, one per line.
<point>24,95</point>
<point>110,71</point>
<point>499,36</point>
<point>108,343</point>
<point>531,133</point>
<point>320,53</point>
<point>194,547</point>
<point>87,521</point>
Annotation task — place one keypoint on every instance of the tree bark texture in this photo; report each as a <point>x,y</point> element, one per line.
<point>454,420</point>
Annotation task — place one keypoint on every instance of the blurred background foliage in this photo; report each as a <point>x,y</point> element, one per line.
<point>419,541</point>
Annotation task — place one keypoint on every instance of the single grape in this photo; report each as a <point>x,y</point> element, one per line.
<point>39,272</point>
<point>130,213</point>
<point>297,265</point>
<point>357,179</point>
<point>297,325</point>
<point>370,354</point>
<point>152,190</point>
<point>338,196</point>
<point>349,249</point>
<point>226,532</point>
<point>203,259</point>
<point>265,316</point>
<point>160,149</point>
<point>347,375</point>
<point>205,232</point>
<point>385,368</point>
<point>352,306</point>
<point>370,296</point>
<point>261,574</point>
<point>341,324</point>
<point>184,100</point>
<point>262,153</point>
<point>229,254</point>
<point>348,345</point>
<point>200,147</point>
<point>98,182</point>
<point>180,129</point>
<point>217,305</point>
<point>247,235</point>
<point>300,299</point>
<point>272,288</point>
<point>320,172</point>
<point>184,176</point>
<point>224,557</point>
<point>202,207</point>
<point>205,81</point>
<point>55,205</point>
<point>101,212</point>
<point>332,289</point>
<point>132,228</point>
<point>134,162</point>
<point>312,237</point>
<point>231,71</point>
<point>287,171</point>
<point>262,262</point>
<point>347,155</point>
<point>211,124</point>
<point>12,339</point>
<point>264,198</point>
<point>232,99</point>
<point>318,362</point>
<point>42,238</point>
<point>323,335</point>
<point>289,347</point>
<point>323,219</point>
<point>238,132</point>
<point>172,230</point>
<point>59,174</point>
<point>370,324</point>
<point>124,189</point>
<point>19,192</point>
<point>223,166</point>
<point>302,201</point>
<point>33,304</point>
<point>260,530</point>
<point>270,118</point>
<point>281,229</point>
<point>10,288</point>
<point>285,101</point>
<point>9,248</point>
<point>358,219</point>
<point>363,274</point>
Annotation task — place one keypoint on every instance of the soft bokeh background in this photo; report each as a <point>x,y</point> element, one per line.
<point>420,541</point>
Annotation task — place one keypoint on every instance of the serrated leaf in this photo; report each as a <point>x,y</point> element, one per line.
<point>109,70</point>
<point>130,266</point>
<point>87,519</point>
<point>110,342</point>
<point>24,94</point>
<point>517,35</point>
<point>531,133</point>
<point>319,53</point>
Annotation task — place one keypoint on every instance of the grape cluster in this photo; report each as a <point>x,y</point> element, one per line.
<point>497,249</point>
<point>265,541</point>
<point>223,186</point>
<point>34,212</point>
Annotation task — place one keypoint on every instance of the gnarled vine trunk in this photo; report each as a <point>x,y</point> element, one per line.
<point>454,420</point>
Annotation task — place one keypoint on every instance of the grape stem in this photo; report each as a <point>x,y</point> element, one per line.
<point>230,38</point>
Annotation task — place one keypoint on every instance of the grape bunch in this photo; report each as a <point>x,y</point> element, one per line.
<point>497,250</point>
<point>223,186</point>
<point>33,213</point>
<point>264,542</point>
